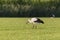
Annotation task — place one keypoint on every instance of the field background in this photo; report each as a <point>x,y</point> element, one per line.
<point>17,29</point>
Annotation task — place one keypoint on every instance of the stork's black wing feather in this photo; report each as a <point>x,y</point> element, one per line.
<point>39,21</point>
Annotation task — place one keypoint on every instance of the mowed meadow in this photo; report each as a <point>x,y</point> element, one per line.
<point>17,29</point>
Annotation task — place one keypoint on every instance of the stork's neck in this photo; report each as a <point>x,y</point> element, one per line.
<point>29,21</point>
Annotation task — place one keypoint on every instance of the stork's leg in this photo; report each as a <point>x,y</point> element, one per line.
<point>34,26</point>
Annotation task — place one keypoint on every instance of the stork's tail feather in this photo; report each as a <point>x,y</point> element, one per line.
<point>42,22</point>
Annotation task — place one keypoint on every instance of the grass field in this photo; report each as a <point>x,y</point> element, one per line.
<point>17,29</point>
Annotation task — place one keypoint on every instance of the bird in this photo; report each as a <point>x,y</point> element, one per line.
<point>34,21</point>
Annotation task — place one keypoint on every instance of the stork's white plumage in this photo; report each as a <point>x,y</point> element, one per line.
<point>34,21</point>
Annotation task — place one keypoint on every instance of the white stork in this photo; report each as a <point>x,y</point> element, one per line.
<point>34,21</point>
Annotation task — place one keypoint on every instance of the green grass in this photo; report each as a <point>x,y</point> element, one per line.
<point>17,29</point>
